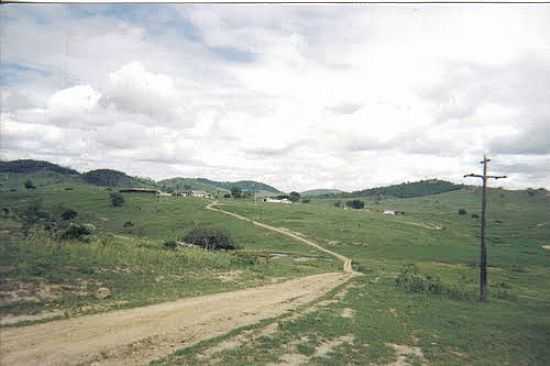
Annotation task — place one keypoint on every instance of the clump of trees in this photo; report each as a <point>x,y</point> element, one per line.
<point>236,192</point>
<point>82,232</point>
<point>210,239</point>
<point>29,184</point>
<point>117,199</point>
<point>356,204</point>
<point>294,196</point>
<point>69,214</point>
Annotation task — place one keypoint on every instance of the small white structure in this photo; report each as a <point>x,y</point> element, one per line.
<point>199,194</point>
<point>274,200</point>
<point>389,212</point>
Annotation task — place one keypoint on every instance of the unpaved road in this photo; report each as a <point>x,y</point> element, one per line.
<point>137,336</point>
<point>345,260</point>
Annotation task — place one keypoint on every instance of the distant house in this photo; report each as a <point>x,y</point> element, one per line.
<point>193,193</point>
<point>389,212</point>
<point>274,200</point>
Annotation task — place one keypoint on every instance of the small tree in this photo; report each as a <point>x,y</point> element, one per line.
<point>356,204</point>
<point>462,211</point>
<point>338,204</point>
<point>294,196</point>
<point>236,192</point>
<point>29,184</point>
<point>69,214</point>
<point>117,199</point>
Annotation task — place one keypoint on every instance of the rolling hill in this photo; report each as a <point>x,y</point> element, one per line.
<point>216,186</point>
<point>320,192</point>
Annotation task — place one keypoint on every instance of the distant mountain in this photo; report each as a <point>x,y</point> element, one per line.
<point>27,166</point>
<point>115,178</point>
<point>320,192</point>
<point>407,190</point>
<point>216,186</point>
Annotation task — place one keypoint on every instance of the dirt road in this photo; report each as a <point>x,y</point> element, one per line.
<point>137,336</point>
<point>345,260</point>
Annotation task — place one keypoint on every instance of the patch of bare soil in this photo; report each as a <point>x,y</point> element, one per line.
<point>406,355</point>
<point>293,358</point>
<point>137,336</point>
<point>230,276</point>
<point>10,319</point>
<point>348,313</point>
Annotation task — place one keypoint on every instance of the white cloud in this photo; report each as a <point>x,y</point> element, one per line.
<point>342,96</point>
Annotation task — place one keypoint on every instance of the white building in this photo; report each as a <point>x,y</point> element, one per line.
<point>274,200</point>
<point>389,212</point>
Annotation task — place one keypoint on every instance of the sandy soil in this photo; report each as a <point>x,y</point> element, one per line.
<point>138,336</point>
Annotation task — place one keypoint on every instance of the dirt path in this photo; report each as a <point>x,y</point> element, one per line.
<point>138,336</point>
<point>345,260</point>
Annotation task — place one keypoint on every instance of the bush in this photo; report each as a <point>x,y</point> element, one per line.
<point>117,199</point>
<point>128,224</point>
<point>306,200</point>
<point>338,204</point>
<point>462,211</point>
<point>475,216</point>
<point>412,280</point>
<point>69,214</point>
<point>29,184</point>
<point>210,239</point>
<point>170,244</point>
<point>236,192</point>
<point>227,195</point>
<point>68,188</point>
<point>294,196</point>
<point>78,232</point>
<point>356,204</point>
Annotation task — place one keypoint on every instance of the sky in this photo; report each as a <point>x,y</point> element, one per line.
<point>346,96</point>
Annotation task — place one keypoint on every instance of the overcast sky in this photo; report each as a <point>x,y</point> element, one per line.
<point>297,96</point>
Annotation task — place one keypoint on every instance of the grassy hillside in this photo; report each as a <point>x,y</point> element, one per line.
<point>115,178</point>
<point>127,254</point>
<point>320,192</point>
<point>215,186</point>
<point>438,313</point>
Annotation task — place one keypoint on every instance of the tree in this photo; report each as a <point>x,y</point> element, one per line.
<point>69,214</point>
<point>117,199</point>
<point>356,204</point>
<point>29,184</point>
<point>236,192</point>
<point>294,196</point>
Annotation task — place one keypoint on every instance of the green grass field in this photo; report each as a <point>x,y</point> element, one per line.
<point>453,328</point>
<point>50,275</point>
<point>373,321</point>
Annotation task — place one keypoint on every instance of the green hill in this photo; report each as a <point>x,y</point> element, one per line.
<point>320,192</point>
<point>27,166</point>
<point>14,174</point>
<point>115,178</point>
<point>404,190</point>
<point>216,186</point>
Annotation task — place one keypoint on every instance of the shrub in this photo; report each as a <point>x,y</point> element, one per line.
<point>170,244</point>
<point>236,192</point>
<point>338,204</point>
<point>69,214</point>
<point>128,224</point>
<point>306,200</point>
<point>117,199</point>
<point>356,204</point>
<point>462,211</point>
<point>227,195</point>
<point>475,216</point>
<point>29,184</point>
<point>294,196</point>
<point>412,280</point>
<point>68,188</point>
<point>210,239</point>
<point>78,231</point>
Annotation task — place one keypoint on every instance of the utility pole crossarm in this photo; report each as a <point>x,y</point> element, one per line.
<point>473,175</point>
<point>497,176</point>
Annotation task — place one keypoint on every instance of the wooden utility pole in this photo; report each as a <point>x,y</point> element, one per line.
<point>483,253</point>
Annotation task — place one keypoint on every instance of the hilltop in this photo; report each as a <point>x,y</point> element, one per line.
<point>213,186</point>
<point>320,192</point>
